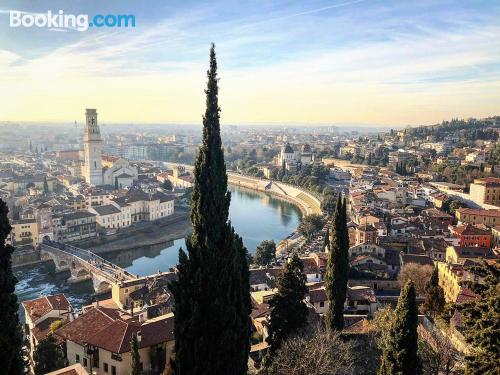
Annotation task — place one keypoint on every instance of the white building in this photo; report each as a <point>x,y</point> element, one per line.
<point>92,149</point>
<point>134,207</point>
<point>120,173</point>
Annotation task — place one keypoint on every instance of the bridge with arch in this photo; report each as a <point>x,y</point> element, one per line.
<point>85,265</point>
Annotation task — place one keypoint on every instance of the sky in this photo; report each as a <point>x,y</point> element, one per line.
<point>326,61</point>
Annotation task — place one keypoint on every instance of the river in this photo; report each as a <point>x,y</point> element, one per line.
<point>256,216</point>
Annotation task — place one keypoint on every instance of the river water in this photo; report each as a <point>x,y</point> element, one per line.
<point>255,216</point>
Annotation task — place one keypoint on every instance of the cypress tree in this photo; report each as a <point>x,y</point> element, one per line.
<point>45,186</point>
<point>434,295</point>
<point>288,310</point>
<point>399,355</point>
<point>326,241</point>
<point>212,292</point>
<point>11,338</point>
<point>136,366</point>
<point>337,271</point>
<point>481,321</point>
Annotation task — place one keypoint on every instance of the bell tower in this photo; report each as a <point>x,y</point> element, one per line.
<point>92,148</point>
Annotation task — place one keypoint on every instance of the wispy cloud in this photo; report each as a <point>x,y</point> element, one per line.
<point>354,53</point>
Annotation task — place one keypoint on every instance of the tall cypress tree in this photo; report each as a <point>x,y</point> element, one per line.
<point>288,310</point>
<point>212,292</point>
<point>337,271</point>
<point>399,355</point>
<point>135,366</point>
<point>326,241</point>
<point>434,301</point>
<point>11,338</point>
<point>45,186</point>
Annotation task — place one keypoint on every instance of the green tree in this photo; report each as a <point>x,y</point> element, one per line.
<point>167,185</point>
<point>288,310</point>
<point>481,321</point>
<point>212,291</point>
<point>399,353</point>
<point>265,253</point>
<point>11,338</point>
<point>328,203</point>
<point>136,365</point>
<point>48,356</point>
<point>434,295</point>
<point>311,224</point>
<point>45,186</point>
<point>326,240</point>
<point>337,271</point>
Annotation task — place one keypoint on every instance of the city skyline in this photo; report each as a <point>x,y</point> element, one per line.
<point>374,62</point>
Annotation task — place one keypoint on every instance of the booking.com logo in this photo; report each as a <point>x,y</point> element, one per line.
<point>61,20</point>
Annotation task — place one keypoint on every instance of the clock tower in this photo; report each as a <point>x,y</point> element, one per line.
<point>93,149</point>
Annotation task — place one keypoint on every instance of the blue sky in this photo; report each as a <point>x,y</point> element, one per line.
<point>372,61</point>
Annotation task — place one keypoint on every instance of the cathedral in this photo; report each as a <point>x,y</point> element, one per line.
<point>120,173</point>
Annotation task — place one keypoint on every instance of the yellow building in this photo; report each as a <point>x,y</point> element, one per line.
<point>490,218</point>
<point>460,254</point>
<point>450,277</point>
<point>24,232</point>
<point>486,191</point>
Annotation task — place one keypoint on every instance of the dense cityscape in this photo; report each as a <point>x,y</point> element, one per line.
<point>346,234</point>
<point>400,226</point>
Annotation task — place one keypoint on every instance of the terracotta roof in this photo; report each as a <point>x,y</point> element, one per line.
<point>42,329</point>
<point>469,230</point>
<point>264,275</point>
<point>317,295</point>
<point>76,369</point>
<point>361,293</point>
<point>310,265</point>
<point>471,251</point>
<point>466,295</point>
<point>99,327</point>
<point>39,307</point>
<point>478,212</point>
<point>488,181</point>
<point>82,328</point>
<point>418,259</point>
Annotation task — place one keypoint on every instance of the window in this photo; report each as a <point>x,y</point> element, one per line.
<point>106,369</point>
<point>113,370</point>
<point>77,358</point>
<point>84,362</point>
<point>322,304</point>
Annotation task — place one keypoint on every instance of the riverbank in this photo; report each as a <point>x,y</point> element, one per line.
<point>306,201</point>
<point>152,234</point>
<point>144,234</point>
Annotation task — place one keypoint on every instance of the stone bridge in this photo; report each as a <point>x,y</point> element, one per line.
<point>85,265</point>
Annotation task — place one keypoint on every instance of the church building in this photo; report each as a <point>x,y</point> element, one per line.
<point>120,173</point>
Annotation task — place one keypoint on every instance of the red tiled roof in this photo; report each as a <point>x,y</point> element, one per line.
<point>489,181</point>
<point>106,330</point>
<point>41,330</point>
<point>39,307</point>
<point>479,212</point>
<point>85,326</point>
<point>469,229</point>
<point>317,295</point>
<point>466,295</point>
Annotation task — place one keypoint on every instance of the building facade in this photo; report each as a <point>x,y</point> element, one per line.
<point>92,149</point>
